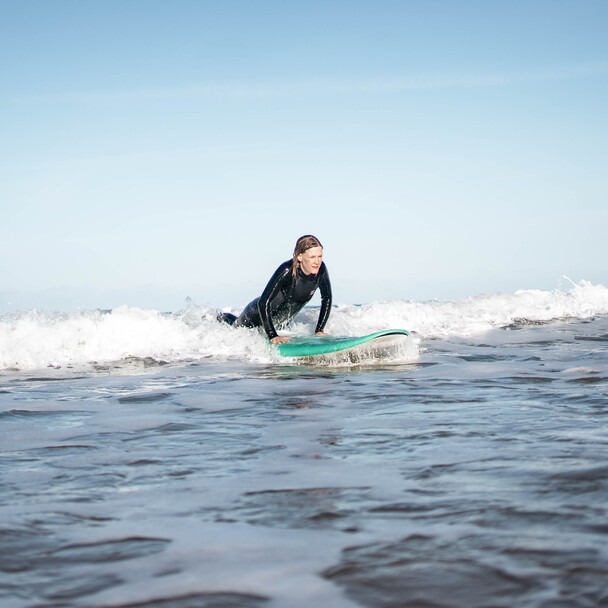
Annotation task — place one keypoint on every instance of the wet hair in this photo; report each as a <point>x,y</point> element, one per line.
<point>304,243</point>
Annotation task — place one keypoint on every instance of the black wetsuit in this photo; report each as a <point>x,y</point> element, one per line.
<point>282,299</point>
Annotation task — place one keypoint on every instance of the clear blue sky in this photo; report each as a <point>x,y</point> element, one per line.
<point>153,150</point>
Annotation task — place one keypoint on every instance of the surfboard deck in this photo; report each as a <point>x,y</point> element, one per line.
<point>314,346</point>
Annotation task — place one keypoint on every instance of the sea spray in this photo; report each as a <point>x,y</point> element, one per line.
<point>40,339</point>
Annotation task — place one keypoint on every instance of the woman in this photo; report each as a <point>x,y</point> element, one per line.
<point>292,285</point>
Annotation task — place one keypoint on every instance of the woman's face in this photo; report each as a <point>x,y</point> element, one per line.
<point>310,260</point>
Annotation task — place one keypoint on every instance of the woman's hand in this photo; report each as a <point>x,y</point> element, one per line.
<point>279,340</point>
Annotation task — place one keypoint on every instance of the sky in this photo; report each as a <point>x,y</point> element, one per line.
<point>153,151</point>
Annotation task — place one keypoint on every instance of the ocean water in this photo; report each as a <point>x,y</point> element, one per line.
<point>165,460</point>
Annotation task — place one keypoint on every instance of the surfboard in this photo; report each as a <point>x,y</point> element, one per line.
<point>317,346</point>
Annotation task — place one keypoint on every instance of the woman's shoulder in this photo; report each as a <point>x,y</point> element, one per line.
<point>284,268</point>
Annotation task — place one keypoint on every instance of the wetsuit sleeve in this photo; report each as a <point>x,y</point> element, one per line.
<point>279,279</point>
<point>325,287</point>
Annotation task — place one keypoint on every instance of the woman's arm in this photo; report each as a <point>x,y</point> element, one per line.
<point>325,287</point>
<point>281,277</point>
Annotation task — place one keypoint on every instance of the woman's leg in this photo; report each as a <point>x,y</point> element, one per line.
<point>250,317</point>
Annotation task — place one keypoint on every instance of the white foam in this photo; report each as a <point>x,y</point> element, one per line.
<point>472,315</point>
<point>41,339</point>
<point>36,340</point>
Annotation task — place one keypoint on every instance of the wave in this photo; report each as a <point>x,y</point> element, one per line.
<point>40,339</point>
<point>474,315</point>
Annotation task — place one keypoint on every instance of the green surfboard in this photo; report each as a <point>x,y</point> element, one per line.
<point>314,346</point>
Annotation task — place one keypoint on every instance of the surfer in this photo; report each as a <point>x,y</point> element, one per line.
<point>291,286</point>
